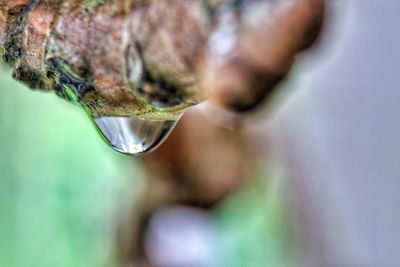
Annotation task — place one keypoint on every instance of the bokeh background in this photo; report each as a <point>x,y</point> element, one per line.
<point>63,192</point>
<point>324,194</point>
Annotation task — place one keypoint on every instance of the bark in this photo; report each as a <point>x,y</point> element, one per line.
<point>153,57</point>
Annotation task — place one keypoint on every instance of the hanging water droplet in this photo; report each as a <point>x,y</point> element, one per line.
<point>133,135</point>
<point>128,135</point>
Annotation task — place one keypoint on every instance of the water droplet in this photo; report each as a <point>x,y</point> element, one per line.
<point>133,135</point>
<point>128,135</point>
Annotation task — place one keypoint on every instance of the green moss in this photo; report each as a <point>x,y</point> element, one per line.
<point>89,5</point>
<point>70,94</point>
<point>68,69</point>
<point>2,51</point>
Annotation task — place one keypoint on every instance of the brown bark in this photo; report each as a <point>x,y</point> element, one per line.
<point>135,58</point>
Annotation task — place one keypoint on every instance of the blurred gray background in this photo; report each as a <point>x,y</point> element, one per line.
<point>341,128</point>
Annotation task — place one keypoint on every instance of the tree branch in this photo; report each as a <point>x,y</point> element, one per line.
<point>153,58</point>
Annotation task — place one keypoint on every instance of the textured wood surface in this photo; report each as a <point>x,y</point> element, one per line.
<point>151,57</point>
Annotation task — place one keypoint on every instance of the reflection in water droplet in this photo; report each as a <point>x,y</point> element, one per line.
<point>132,135</point>
<point>124,134</point>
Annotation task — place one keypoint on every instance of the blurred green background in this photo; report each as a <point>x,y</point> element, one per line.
<point>61,189</point>
<point>60,185</point>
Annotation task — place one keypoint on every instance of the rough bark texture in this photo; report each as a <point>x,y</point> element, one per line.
<point>153,57</point>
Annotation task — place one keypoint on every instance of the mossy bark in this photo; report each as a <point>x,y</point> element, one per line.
<point>151,58</point>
